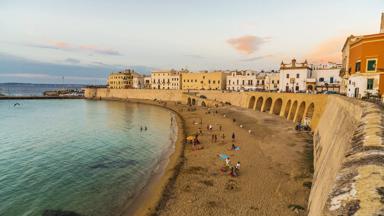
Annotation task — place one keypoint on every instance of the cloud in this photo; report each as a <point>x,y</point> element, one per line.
<point>327,50</point>
<point>194,56</point>
<point>257,58</point>
<point>94,49</point>
<point>61,45</point>
<point>247,44</point>
<point>72,61</point>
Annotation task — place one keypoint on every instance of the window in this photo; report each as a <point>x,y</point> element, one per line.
<point>371,65</point>
<point>331,80</point>
<point>358,66</point>
<point>297,75</point>
<point>369,84</point>
<point>287,76</point>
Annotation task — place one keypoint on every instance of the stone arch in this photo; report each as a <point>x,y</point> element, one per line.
<point>287,107</point>
<point>300,112</point>
<point>310,111</point>
<point>251,103</point>
<point>203,104</point>
<point>267,105</point>
<point>189,102</point>
<point>259,103</point>
<point>193,102</point>
<point>293,111</point>
<point>277,106</point>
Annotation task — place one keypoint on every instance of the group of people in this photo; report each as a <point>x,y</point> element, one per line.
<point>234,170</point>
<point>145,128</point>
<point>302,127</point>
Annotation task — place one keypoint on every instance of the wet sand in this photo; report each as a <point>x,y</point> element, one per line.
<point>275,174</point>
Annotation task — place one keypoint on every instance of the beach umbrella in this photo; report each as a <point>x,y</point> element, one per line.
<point>223,156</point>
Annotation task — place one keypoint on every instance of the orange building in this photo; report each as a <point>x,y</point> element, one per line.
<point>366,55</point>
<point>366,66</point>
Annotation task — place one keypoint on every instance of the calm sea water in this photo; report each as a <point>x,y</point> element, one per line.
<point>29,89</point>
<point>85,156</point>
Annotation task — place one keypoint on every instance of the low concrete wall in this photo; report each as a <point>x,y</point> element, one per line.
<point>348,141</point>
<point>148,94</point>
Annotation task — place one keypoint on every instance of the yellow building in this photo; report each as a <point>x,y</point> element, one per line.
<point>121,79</point>
<point>204,80</point>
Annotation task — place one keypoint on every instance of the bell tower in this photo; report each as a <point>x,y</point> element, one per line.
<point>382,23</point>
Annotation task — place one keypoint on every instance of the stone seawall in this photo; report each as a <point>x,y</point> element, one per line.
<point>349,160</point>
<point>348,141</point>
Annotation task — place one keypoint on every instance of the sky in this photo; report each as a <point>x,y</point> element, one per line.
<point>42,41</point>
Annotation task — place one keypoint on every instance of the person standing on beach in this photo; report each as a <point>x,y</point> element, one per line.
<point>233,136</point>
<point>220,127</point>
<point>227,162</point>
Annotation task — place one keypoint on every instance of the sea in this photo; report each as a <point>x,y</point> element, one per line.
<point>31,89</point>
<point>88,157</point>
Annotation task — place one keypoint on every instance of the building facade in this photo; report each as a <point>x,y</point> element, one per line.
<point>166,79</point>
<point>366,66</point>
<point>147,82</point>
<point>204,80</point>
<point>241,81</point>
<point>138,81</point>
<point>296,77</point>
<point>272,81</point>
<point>121,79</point>
<point>327,77</point>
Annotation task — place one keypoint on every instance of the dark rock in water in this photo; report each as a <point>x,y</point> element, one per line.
<point>114,164</point>
<point>59,213</point>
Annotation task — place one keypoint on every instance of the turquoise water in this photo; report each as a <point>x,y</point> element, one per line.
<point>84,156</point>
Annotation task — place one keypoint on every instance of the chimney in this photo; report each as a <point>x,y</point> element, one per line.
<point>382,23</point>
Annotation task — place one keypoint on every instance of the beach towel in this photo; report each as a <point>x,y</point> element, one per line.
<point>237,148</point>
<point>223,156</point>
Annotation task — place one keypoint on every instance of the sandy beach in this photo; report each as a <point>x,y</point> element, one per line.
<point>275,174</point>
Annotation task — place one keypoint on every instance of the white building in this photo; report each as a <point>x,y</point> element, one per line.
<point>272,81</point>
<point>170,79</point>
<point>241,80</point>
<point>327,77</point>
<point>147,82</point>
<point>260,81</point>
<point>295,77</point>
<point>137,81</point>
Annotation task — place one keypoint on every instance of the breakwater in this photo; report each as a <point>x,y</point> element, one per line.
<point>38,97</point>
<point>348,146</point>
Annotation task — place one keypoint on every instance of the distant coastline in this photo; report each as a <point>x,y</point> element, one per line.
<point>32,89</point>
